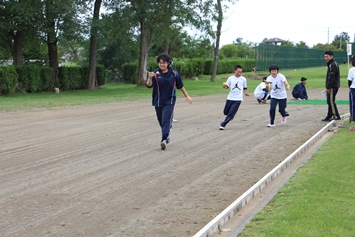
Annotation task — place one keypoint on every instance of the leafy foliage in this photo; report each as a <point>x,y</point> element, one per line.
<point>8,80</point>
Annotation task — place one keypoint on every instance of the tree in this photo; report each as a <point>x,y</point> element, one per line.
<point>340,41</point>
<point>17,18</point>
<point>218,37</point>
<point>302,44</point>
<point>245,49</point>
<point>229,51</point>
<point>60,21</point>
<point>93,46</point>
<point>324,46</point>
<point>287,43</point>
<point>153,17</point>
<point>219,8</point>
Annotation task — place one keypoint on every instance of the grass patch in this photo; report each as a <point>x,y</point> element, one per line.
<point>318,199</point>
<point>115,92</point>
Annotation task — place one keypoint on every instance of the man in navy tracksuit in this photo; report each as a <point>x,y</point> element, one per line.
<point>164,80</point>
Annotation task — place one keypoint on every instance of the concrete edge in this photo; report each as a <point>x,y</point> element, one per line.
<point>214,226</point>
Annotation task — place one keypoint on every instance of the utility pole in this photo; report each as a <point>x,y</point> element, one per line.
<point>328,35</point>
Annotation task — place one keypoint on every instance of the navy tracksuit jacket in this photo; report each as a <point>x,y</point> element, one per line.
<point>164,97</point>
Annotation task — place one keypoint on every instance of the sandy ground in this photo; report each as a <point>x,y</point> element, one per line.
<point>99,170</point>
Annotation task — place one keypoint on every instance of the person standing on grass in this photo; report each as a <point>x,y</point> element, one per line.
<point>261,93</point>
<point>332,84</point>
<point>299,91</point>
<point>164,81</point>
<point>278,84</point>
<point>351,84</point>
<point>238,85</point>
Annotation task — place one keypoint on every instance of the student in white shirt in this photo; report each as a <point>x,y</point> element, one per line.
<point>261,93</point>
<point>237,85</point>
<point>278,84</point>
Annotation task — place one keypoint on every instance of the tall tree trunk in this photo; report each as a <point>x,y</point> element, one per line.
<point>166,46</point>
<point>53,51</point>
<point>218,34</point>
<point>52,40</point>
<point>143,56</point>
<point>93,46</point>
<point>16,48</point>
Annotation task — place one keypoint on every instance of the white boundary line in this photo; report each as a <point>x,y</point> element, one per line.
<point>214,226</point>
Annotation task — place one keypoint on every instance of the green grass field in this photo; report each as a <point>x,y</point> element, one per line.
<point>318,200</point>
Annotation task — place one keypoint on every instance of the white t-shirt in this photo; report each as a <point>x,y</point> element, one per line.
<point>236,86</point>
<point>278,89</point>
<point>351,77</point>
<point>259,90</point>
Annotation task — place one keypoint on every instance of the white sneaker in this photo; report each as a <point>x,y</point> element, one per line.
<point>271,125</point>
<point>283,120</point>
<point>174,120</point>
<point>221,127</point>
<point>163,145</point>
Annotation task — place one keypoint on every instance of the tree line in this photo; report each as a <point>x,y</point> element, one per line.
<point>114,32</point>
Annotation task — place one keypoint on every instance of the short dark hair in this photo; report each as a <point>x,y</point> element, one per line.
<point>264,78</point>
<point>238,66</point>
<point>353,60</point>
<point>329,52</point>
<point>274,67</point>
<point>165,58</point>
<point>303,79</point>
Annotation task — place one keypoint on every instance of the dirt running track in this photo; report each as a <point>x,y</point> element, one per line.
<point>99,171</point>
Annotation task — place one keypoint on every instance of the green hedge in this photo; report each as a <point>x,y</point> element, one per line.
<point>72,78</point>
<point>75,78</point>
<point>47,75</point>
<point>33,78</point>
<point>8,80</point>
<point>130,72</point>
<point>29,78</point>
<point>190,67</point>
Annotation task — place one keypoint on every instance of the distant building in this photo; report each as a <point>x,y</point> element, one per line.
<point>275,41</point>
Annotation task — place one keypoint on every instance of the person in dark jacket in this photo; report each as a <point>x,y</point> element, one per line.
<point>299,91</point>
<point>332,84</point>
<point>164,81</point>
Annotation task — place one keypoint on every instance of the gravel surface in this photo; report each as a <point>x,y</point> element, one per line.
<point>99,171</point>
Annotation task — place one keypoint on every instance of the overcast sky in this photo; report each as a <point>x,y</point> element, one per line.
<point>302,20</point>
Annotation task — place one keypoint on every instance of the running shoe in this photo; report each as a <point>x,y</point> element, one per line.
<point>283,120</point>
<point>271,125</point>
<point>163,145</point>
<point>221,127</point>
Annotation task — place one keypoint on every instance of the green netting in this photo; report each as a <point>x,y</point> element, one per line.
<point>291,57</point>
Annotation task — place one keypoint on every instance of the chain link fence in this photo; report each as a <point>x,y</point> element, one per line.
<point>287,57</point>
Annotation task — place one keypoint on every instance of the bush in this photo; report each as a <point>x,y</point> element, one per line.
<point>100,75</point>
<point>72,78</point>
<point>190,67</point>
<point>29,78</point>
<point>130,73</point>
<point>76,78</point>
<point>8,80</point>
<point>48,82</point>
